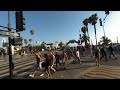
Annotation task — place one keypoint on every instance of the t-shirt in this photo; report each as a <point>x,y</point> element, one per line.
<point>38,60</point>
<point>97,52</point>
<point>57,57</point>
<point>47,61</point>
<point>103,50</point>
<point>110,48</point>
<point>77,54</point>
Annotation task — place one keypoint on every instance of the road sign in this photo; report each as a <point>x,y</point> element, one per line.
<point>9,34</point>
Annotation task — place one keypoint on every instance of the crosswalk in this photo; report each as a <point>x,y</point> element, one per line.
<point>103,72</point>
<point>20,65</point>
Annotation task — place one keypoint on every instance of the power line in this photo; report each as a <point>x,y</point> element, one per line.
<point>7,27</point>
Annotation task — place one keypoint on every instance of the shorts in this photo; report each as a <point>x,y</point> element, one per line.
<point>40,65</point>
<point>37,65</point>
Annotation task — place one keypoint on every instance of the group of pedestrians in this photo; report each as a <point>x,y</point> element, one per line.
<point>101,52</point>
<point>46,62</point>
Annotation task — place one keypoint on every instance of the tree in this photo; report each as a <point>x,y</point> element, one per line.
<point>26,41</point>
<point>60,44</point>
<point>93,20</point>
<point>30,40</point>
<point>84,38</point>
<point>105,41</point>
<point>32,32</point>
<point>85,22</point>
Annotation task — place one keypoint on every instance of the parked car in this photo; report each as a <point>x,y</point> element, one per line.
<point>116,47</point>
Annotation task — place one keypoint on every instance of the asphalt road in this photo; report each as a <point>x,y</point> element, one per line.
<point>73,71</point>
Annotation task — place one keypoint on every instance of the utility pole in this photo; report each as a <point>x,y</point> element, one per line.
<point>10,52</point>
<point>80,37</point>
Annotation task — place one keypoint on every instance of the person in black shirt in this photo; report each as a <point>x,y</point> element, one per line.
<point>111,51</point>
<point>103,53</point>
<point>57,56</point>
<point>38,58</point>
<point>46,64</point>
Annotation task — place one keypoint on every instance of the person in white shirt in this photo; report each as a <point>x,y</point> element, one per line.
<point>78,55</point>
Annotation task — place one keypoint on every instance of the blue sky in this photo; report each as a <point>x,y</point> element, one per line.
<point>51,26</point>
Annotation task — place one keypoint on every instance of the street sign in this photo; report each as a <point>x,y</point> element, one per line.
<point>9,34</point>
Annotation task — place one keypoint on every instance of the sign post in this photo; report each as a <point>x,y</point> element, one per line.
<point>10,52</point>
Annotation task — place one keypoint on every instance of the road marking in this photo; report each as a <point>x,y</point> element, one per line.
<point>103,72</point>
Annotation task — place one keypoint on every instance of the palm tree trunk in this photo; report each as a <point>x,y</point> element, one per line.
<point>104,35</point>
<point>33,40</point>
<point>95,34</point>
<point>85,39</point>
<point>88,34</point>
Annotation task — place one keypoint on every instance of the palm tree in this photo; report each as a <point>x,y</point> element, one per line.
<point>26,41</point>
<point>30,40</point>
<point>84,38</point>
<point>61,44</point>
<point>85,22</point>
<point>32,32</point>
<point>104,40</point>
<point>93,20</point>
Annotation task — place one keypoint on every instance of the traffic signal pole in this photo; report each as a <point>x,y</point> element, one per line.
<point>10,51</point>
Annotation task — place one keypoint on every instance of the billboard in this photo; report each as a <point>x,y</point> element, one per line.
<point>17,41</point>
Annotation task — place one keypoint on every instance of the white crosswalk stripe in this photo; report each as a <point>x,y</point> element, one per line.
<point>19,66</point>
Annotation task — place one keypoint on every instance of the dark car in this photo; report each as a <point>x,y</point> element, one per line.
<point>116,47</point>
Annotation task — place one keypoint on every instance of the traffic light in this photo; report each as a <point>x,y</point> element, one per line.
<point>107,12</point>
<point>100,22</point>
<point>20,21</point>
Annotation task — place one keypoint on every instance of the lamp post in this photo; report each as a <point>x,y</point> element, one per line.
<point>10,52</point>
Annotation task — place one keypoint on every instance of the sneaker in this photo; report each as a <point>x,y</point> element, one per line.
<point>31,75</point>
<point>42,75</point>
